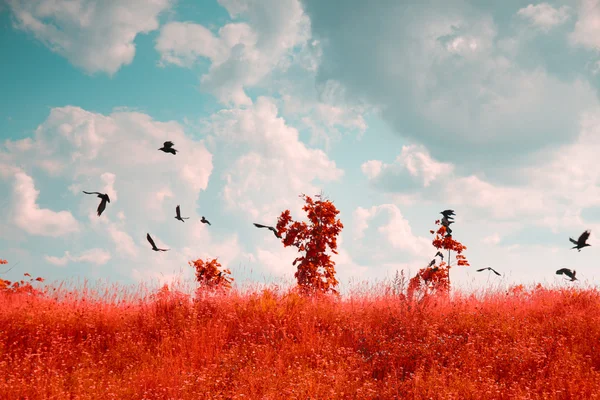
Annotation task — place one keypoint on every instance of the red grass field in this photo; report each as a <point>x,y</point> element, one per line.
<point>266,345</point>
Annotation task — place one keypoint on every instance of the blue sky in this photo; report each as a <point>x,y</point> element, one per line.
<point>396,112</point>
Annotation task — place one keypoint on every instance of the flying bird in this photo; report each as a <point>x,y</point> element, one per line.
<point>448,213</point>
<point>268,227</point>
<point>178,216</point>
<point>431,263</point>
<point>102,204</point>
<point>567,272</point>
<point>446,222</point>
<point>154,245</point>
<point>204,220</point>
<point>168,148</point>
<point>489,268</point>
<point>580,243</point>
<point>439,253</point>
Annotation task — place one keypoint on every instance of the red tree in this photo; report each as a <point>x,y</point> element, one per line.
<point>436,278</point>
<point>209,275</point>
<point>316,270</point>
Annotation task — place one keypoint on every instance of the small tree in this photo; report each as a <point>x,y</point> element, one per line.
<point>436,278</point>
<point>209,276</point>
<point>316,270</point>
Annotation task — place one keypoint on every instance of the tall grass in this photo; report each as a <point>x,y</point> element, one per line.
<point>269,343</point>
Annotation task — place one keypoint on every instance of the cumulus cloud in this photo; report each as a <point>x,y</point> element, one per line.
<point>544,16</point>
<point>97,36</point>
<point>587,27</point>
<point>441,79</point>
<point>274,167</point>
<point>117,154</point>
<point>491,239</point>
<point>396,229</point>
<point>241,53</point>
<point>93,256</point>
<point>35,220</point>
<point>414,167</point>
<point>553,193</point>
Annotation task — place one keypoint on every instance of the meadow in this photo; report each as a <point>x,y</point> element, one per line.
<point>533,342</point>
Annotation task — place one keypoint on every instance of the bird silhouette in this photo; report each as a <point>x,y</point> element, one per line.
<point>431,263</point>
<point>489,268</point>
<point>567,272</point>
<point>448,213</point>
<point>268,227</point>
<point>580,243</point>
<point>439,253</point>
<point>102,204</point>
<point>446,222</point>
<point>154,245</point>
<point>168,147</point>
<point>204,220</point>
<point>178,216</point>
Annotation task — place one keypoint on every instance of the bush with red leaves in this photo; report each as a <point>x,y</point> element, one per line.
<point>436,278</point>
<point>316,271</point>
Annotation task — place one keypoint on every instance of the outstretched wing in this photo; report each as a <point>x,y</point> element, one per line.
<point>101,206</point>
<point>562,271</point>
<point>260,225</point>
<point>168,144</point>
<point>573,240</point>
<point>178,211</point>
<point>584,236</point>
<point>482,269</point>
<point>91,192</point>
<point>150,240</point>
<point>494,271</point>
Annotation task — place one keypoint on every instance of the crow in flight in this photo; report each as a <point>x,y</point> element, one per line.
<point>432,263</point>
<point>581,242</point>
<point>204,220</point>
<point>567,272</point>
<point>154,245</point>
<point>439,253</point>
<point>102,204</point>
<point>489,268</point>
<point>178,216</point>
<point>168,148</point>
<point>270,228</point>
<point>448,213</point>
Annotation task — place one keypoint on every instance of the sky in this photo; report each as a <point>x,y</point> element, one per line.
<point>395,112</point>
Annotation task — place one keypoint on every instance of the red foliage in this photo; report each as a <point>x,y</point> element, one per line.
<point>270,344</point>
<point>436,278</point>
<point>3,261</point>
<point>21,286</point>
<point>315,271</point>
<point>209,275</point>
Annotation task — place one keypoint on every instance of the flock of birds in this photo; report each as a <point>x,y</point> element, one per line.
<point>446,221</point>
<point>580,243</point>
<point>167,148</point>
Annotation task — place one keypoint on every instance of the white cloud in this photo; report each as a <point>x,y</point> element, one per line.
<point>441,79</point>
<point>97,36</point>
<point>396,231</point>
<point>544,16</point>
<point>414,164</point>
<point>492,239</point>
<point>275,166</point>
<point>92,256</point>
<point>241,54</point>
<point>35,220</point>
<point>372,168</point>
<point>118,154</point>
<point>587,27</point>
